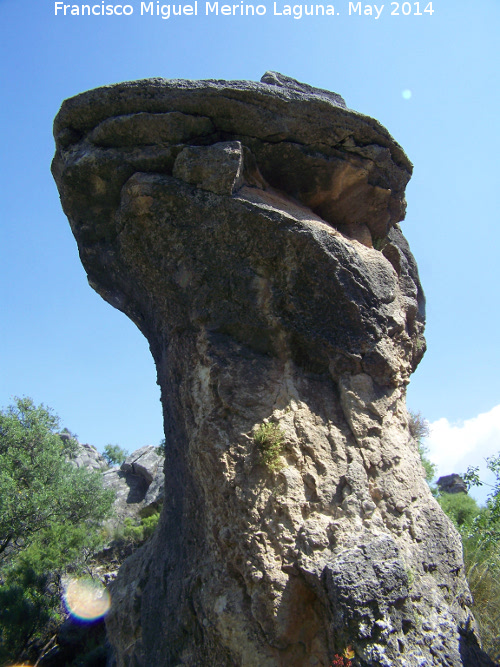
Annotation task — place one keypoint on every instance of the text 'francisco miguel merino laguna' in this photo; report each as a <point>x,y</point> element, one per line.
<point>242,9</point>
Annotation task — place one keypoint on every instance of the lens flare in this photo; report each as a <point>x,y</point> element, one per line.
<point>406,94</point>
<point>86,599</point>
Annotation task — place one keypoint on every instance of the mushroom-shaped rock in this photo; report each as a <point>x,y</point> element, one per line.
<point>251,232</point>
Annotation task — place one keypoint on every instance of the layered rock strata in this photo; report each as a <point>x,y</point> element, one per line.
<point>250,230</point>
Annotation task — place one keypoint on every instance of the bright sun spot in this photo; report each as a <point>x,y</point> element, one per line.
<point>406,94</point>
<point>86,599</point>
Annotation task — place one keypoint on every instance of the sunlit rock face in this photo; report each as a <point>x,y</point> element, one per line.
<point>138,485</point>
<point>250,230</point>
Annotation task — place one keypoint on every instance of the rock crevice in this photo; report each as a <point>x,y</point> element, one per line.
<point>251,232</point>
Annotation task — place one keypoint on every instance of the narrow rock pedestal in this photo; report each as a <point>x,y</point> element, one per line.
<point>250,230</point>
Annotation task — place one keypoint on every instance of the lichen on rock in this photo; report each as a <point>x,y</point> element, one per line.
<point>251,232</point>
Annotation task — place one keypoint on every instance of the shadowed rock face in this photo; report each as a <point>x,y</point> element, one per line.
<point>250,231</point>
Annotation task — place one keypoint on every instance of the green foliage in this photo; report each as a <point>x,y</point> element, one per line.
<point>161,448</point>
<point>70,440</point>
<point>149,523</point>
<point>270,440</point>
<point>481,540</point>
<point>114,454</point>
<point>419,429</point>
<point>461,508</point>
<point>429,466</point>
<point>487,525</point>
<point>482,569</point>
<point>50,517</point>
<point>480,531</point>
<point>38,487</point>
<point>471,477</point>
<point>28,602</point>
<point>131,531</point>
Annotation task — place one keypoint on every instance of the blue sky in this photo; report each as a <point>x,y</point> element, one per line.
<point>63,346</point>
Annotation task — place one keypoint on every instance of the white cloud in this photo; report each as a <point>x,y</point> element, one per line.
<point>455,447</point>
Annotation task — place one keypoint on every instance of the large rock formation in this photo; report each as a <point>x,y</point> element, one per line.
<point>250,230</point>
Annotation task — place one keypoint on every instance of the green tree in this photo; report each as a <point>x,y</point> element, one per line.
<point>114,454</point>
<point>50,517</point>
<point>39,488</point>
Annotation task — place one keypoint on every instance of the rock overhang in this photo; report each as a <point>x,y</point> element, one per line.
<point>342,165</point>
<point>274,165</point>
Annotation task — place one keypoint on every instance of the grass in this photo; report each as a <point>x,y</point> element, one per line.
<point>270,440</point>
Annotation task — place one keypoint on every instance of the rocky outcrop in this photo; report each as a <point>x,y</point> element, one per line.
<point>250,230</point>
<point>452,484</point>
<point>138,484</point>
<point>82,455</point>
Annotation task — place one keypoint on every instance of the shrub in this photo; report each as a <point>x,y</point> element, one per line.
<point>419,429</point>
<point>114,454</point>
<point>132,531</point>
<point>270,440</point>
<point>418,425</point>
<point>139,532</point>
<point>460,507</point>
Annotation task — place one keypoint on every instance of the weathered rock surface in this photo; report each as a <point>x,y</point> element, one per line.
<point>86,456</point>
<point>138,484</point>
<point>250,231</point>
